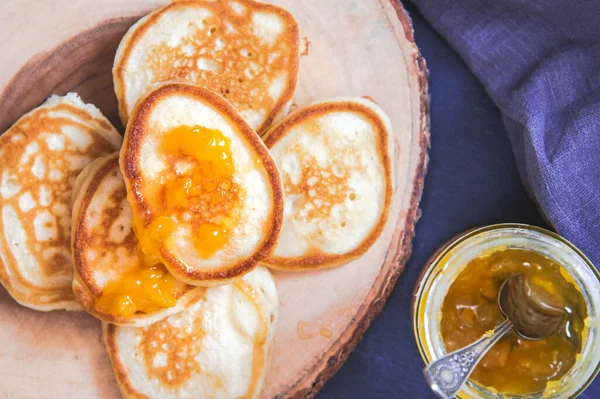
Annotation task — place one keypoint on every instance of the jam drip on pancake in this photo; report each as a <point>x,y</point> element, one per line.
<point>143,289</point>
<point>197,189</point>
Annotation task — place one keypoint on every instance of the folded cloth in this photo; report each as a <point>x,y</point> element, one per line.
<point>540,63</point>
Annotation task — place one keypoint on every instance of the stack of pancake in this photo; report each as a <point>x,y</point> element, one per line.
<point>166,235</point>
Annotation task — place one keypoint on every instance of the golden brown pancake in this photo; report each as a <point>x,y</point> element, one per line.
<point>104,245</point>
<point>336,161</point>
<point>42,153</point>
<point>244,50</point>
<point>249,208</point>
<point>218,347</point>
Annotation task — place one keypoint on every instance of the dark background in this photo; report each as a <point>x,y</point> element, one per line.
<point>472,180</point>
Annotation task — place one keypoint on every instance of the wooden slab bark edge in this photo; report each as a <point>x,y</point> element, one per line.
<point>310,384</point>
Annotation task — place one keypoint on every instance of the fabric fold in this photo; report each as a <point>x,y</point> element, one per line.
<point>540,63</point>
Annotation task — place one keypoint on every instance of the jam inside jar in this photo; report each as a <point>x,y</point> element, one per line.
<point>514,365</point>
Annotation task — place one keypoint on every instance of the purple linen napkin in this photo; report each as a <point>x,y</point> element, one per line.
<point>540,62</point>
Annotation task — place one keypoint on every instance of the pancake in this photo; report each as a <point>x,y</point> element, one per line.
<point>218,347</point>
<point>246,51</point>
<point>206,195</point>
<point>41,154</point>
<point>104,246</point>
<point>335,158</point>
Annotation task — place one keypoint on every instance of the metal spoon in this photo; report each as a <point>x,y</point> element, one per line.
<point>529,309</point>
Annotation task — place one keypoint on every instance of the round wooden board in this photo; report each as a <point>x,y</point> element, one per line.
<point>355,47</point>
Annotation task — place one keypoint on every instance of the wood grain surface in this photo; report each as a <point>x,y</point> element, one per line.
<point>357,47</point>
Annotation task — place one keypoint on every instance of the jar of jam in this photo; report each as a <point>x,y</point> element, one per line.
<point>455,304</point>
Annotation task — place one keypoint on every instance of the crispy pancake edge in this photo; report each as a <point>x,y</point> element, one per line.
<point>320,260</point>
<point>139,28</point>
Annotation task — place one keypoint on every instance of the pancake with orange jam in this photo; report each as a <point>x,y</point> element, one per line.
<point>111,281</point>
<point>244,50</point>
<point>218,347</point>
<point>206,195</point>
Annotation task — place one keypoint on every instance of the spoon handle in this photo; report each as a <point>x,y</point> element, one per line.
<point>447,374</point>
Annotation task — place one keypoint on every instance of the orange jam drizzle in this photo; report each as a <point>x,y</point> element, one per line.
<point>149,286</point>
<point>198,189</point>
<point>200,186</point>
<point>143,289</point>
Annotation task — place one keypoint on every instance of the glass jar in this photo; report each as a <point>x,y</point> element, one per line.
<point>445,265</point>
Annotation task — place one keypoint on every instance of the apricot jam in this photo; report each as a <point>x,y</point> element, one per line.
<point>148,287</point>
<point>514,365</point>
<point>143,289</point>
<point>197,189</point>
<point>151,237</point>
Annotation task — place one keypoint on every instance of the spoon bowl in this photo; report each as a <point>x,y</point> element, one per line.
<point>534,313</point>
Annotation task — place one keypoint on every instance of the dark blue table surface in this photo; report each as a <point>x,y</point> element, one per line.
<point>472,180</point>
